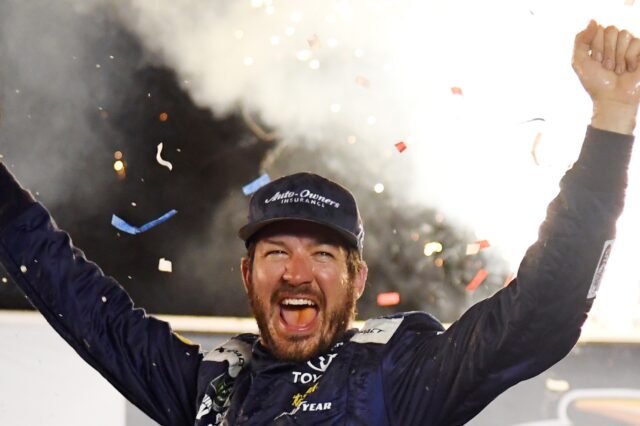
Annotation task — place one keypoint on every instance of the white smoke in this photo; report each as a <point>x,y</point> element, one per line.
<point>382,72</point>
<point>329,72</point>
<point>55,82</point>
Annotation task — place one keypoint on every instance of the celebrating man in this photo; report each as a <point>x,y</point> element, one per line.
<point>304,273</point>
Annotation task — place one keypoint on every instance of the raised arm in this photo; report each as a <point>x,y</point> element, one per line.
<point>534,322</point>
<point>606,62</point>
<point>140,355</point>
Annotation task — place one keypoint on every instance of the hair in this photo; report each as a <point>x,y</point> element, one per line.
<point>354,259</point>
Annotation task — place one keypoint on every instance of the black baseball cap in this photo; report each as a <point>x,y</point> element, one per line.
<point>307,197</point>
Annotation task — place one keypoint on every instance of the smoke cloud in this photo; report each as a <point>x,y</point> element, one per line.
<point>380,72</point>
<point>453,80</point>
<point>49,88</point>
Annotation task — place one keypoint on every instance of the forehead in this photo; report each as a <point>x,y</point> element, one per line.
<point>300,229</point>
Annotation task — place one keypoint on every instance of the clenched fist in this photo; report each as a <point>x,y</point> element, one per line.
<point>607,62</point>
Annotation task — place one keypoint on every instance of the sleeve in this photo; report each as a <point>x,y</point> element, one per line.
<point>447,378</point>
<point>149,364</point>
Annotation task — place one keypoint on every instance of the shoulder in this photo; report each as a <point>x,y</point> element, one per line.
<point>236,351</point>
<point>382,329</point>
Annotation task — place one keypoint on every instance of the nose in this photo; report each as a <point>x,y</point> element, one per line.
<point>297,270</point>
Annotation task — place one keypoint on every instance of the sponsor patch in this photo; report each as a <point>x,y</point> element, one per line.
<point>315,406</point>
<point>602,264</point>
<point>236,352</point>
<point>217,397</point>
<point>320,365</point>
<point>300,397</point>
<point>377,330</point>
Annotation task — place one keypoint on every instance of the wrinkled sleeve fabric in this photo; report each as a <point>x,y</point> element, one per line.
<point>447,378</point>
<point>140,355</point>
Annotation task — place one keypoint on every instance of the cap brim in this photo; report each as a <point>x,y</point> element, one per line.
<point>248,231</point>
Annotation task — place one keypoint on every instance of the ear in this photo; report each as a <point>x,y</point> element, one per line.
<point>361,279</point>
<point>245,267</point>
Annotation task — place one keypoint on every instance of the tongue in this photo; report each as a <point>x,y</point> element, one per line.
<point>299,317</point>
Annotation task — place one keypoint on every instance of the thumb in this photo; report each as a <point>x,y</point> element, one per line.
<point>583,40</point>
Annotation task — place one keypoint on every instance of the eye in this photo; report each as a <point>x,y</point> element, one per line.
<point>325,254</point>
<point>275,252</point>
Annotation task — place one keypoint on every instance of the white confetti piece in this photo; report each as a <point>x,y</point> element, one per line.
<point>164,265</point>
<point>473,248</point>
<point>557,385</point>
<point>5,280</point>
<point>23,269</point>
<point>104,299</point>
<point>160,160</point>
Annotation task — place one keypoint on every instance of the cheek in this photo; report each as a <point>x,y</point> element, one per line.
<point>334,285</point>
<point>265,276</point>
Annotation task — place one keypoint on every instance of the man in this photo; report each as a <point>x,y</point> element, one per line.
<point>303,274</point>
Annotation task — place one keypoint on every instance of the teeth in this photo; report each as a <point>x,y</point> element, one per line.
<point>298,302</point>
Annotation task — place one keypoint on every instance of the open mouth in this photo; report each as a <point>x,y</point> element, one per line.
<point>298,314</point>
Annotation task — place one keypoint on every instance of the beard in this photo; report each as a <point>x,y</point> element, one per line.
<point>302,348</point>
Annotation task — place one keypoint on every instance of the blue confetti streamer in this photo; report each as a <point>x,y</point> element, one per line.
<point>129,229</point>
<point>252,187</point>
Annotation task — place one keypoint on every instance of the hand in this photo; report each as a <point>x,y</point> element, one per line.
<point>607,64</point>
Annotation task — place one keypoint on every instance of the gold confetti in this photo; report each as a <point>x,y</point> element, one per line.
<point>362,81</point>
<point>534,148</point>
<point>314,42</point>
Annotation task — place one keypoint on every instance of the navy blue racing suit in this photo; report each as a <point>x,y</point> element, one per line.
<point>405,369</point>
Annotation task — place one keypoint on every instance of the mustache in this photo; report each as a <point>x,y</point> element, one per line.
<point>289,290</point>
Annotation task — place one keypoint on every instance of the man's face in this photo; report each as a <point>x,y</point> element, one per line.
<point>300,290</point>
